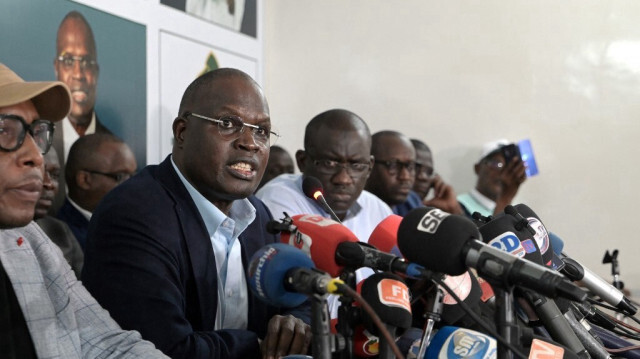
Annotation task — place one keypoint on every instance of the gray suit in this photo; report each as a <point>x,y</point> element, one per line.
<point>63,318</point>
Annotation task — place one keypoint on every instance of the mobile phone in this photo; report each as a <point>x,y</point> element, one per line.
<point>510,152</point>
<point>526,153</point>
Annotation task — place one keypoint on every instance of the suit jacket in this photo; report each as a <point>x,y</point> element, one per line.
<point>60,233</point>
<point>75,220</point>
<point>150,262</point>
<point>58,144</point>
<point>63,319</point>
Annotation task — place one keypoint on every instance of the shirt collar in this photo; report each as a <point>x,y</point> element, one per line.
<point>86,214</point>
<point>242,211</point>
<point>483,200</point>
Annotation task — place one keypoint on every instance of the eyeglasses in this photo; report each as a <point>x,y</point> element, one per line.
<point>330,167</point>
<point>13,130</point>
<point>86,62</point>
<point>425,170</point>
<point>394,166</point>
<point>230,127</point>
<point>118,177</point>
<point>495,164</point>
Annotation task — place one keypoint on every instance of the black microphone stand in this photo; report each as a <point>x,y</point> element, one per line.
<point>505,321</point>
<point>433,316</point>
<point>347,314</point>
<point>323,345</point>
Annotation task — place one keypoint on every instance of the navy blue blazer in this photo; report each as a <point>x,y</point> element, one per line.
<point>150,263</point>
<point>75,220</point>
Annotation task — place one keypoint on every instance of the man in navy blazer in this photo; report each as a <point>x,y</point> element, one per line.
<point>168,250</point>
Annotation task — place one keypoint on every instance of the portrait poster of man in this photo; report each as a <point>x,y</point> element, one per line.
<point>101,57</point>
<point>238,15</point>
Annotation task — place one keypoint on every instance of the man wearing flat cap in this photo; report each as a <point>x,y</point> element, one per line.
<point>45,312</point>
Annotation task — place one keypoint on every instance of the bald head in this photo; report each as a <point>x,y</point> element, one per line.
<point>76,25</point>
<point>338,120</point>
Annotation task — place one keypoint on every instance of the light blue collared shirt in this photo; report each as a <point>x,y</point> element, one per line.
<point>233,303</point>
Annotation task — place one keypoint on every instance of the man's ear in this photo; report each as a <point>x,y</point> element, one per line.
<point>179,127</point>
<point>83,180</point>
<point>301,159</point>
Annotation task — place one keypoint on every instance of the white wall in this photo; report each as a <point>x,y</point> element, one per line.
<point>565,74</point>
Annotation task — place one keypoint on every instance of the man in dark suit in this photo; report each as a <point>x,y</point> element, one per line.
<point>97,163</point>
<point>168,250</point>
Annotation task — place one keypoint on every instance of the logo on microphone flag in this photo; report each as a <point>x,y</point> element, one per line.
<point>394,293</point>
<point>544,350</point>
<point>432,220</point>
<point>508,242</point>
<point>466,343</point>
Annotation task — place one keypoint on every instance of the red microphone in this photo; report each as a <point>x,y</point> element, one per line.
<point>385,235</point>
<point>319,238</point>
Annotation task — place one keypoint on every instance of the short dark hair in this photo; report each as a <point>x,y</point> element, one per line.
<point>206,79</point>
<point>338,119</point>
<point>419,145</point>
<point>83,152</point>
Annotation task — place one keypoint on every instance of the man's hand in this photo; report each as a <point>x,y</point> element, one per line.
<point>512,176</point>
<point>444,197</point>
<point>285,335</point>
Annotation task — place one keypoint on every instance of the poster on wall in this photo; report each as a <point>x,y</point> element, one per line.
<point>177,72</point>
<point>101,57</point>
<point>237,15</point>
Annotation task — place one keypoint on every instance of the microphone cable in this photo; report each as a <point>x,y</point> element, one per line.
<point>375,318</point>
<point>516,351</point>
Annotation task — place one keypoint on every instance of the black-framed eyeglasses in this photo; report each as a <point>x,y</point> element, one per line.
<point>422,169</point>
<point>355,169</point>
<point>394,166</point>
<point>119,177</point>
<point>86,62</point>
<point>14,129</point>
<point>230,127</point>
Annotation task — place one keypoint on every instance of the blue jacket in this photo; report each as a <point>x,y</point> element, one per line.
<point>150,263</point>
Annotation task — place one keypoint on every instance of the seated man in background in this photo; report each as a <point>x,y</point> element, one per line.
<point>56,230</point>
<point>46,312</point>
<point>168,250</point>
<point>444,197</point>
<point>279,162</point>
<point>394,171</point>
<point>97,163</point>
<point>498,182</point>
<point>337,151</point>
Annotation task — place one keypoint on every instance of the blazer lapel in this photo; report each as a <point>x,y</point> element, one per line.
<point>23,269</point>
<point>198,245</point>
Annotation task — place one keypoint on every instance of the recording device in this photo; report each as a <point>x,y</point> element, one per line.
<point>319,238</point>
<point>526,154</point>
<point>389,297</point>
<point>283,276</point>
<point>449,243</point>
<point>509,152</point>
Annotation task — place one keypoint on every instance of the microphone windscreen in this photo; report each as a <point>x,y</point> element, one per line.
<point>385,236</point>
<point>310,185</point>
<point>388,295</point>
<point>267,270</point>
<point>542,235</point>
<point>502,234</point>
<point>319,237</point>
<point>453,342</point>
<point>436,239</point>
<point>466,287</point>
<point>556,243</point>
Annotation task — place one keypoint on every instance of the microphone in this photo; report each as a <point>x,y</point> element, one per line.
<point>358,254</point>
<point>312,188</point>
<point>388,295</point>
<point>385,235</point>
<point>449,243</point>
<point>453,342</point>
<point>283,276</point>
<point>319,238</point>
<point>607,292</point>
